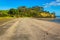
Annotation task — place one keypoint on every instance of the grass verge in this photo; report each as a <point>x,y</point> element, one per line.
<point>5,19</point>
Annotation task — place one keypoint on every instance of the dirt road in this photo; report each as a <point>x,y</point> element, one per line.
<point>30,29</point>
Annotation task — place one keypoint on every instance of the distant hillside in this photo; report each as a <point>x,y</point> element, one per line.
<point>23,11</point>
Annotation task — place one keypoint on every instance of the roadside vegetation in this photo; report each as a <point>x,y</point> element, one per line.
<point>23,11</point>
<point>5,19</point>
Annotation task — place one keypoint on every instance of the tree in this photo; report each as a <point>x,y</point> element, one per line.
<point>12,12</point>
<point>53,15</point>
<point>3,13</point>
<point>38,8</point>
<point>22,10</point>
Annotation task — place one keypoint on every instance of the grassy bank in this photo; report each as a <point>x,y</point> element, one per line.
<point>5,19</point>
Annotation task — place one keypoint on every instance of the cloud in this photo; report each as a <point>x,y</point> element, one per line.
<point>53,3</point>
<point>57,0</point>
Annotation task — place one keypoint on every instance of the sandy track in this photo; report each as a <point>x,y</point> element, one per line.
<point>32,29</point>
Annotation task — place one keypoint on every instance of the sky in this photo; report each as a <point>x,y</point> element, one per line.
<point>49,5</point>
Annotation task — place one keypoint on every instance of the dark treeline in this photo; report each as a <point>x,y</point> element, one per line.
<point>23,11</point>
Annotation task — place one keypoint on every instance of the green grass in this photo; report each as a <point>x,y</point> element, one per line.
<point>5,19</point>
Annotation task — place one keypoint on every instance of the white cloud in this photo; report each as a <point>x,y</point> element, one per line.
<point>57,0</point>
<point>53,3</point>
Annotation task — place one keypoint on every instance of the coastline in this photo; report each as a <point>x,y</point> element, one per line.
<point>55,20</point>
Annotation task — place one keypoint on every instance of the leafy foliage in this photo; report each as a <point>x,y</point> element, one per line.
<point>23,11</point>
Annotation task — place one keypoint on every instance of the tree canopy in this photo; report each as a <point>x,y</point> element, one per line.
<point>23,11</point>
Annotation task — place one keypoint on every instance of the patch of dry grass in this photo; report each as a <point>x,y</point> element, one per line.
<point>5,19</point>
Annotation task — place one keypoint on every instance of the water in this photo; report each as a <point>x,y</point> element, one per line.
<point>57,19</point>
